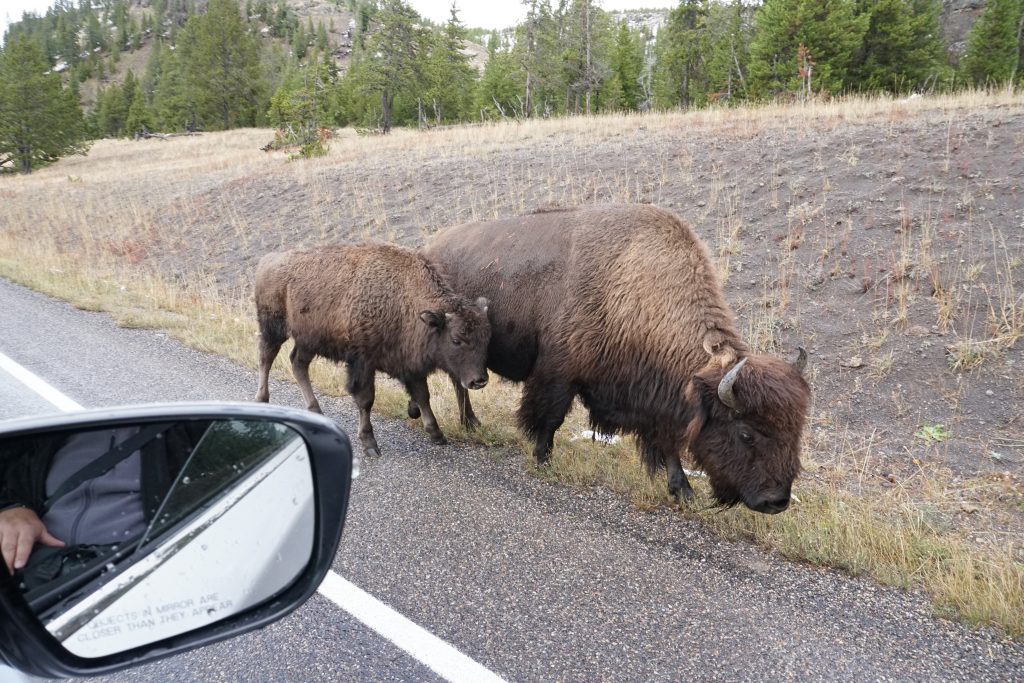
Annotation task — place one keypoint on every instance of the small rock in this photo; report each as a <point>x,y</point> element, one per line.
<point>918,331</point>
<point>855,362</point>
<point>989,392</point>
<point>969,508</point>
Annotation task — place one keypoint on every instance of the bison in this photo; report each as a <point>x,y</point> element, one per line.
<point>375,307</point>
<point>621,306</point>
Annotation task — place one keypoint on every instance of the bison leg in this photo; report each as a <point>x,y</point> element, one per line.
<point>542,410</point>
<point>301,358</point>
<point>273,332</point>
<point>268,352</point>
<point>656,449</point>
<point>678,485</point>
<point>413,410</point>
<point>360,387</point>
<point>466,415</point>
<point>417,388</point>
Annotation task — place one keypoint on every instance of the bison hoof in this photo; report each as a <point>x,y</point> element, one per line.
<point>683,495</point>
<point>372,452</point>
<point>439,439</point>
<point>414,410</point>
<point>470,423</point>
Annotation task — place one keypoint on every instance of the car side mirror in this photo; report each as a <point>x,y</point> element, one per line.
<point>182,525</point>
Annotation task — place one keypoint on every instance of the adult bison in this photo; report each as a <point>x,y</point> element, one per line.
<point>375,307</point>
<point>621,306</point>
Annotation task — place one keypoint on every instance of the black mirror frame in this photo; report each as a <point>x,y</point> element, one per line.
<point>25,643</point>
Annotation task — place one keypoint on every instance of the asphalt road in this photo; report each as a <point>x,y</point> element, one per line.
<point>533,580</point>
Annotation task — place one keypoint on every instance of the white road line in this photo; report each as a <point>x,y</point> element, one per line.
<point>434,653</point>
<point>38,385</point>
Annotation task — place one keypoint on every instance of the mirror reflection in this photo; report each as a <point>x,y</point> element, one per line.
<point>128,534</point>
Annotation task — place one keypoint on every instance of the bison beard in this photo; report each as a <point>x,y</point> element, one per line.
<point>621,306</point>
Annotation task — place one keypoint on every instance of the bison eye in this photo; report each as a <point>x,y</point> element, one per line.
<point>456,342</point>
<point>747,438</point>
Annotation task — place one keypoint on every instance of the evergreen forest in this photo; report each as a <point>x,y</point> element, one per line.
<point>221,64</point>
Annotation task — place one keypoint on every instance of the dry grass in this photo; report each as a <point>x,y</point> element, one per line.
<point>83,230</point>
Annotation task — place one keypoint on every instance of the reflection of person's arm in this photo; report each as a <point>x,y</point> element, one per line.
<point>20,529</point>
<point>23,468</point>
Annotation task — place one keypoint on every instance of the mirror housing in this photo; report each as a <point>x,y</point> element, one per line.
<point>27,644</point>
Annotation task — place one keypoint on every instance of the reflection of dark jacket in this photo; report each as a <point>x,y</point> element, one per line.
<point>25,464</point>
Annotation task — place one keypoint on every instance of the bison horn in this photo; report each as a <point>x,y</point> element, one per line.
<point>801,360</point>
<point>725,394</point>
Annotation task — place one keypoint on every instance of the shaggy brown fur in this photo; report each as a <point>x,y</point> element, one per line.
<point>374,307</point>
<point>621,306</point>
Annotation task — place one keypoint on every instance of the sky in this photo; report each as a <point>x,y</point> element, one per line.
<point>505,13</point>
<point>10,11</point>
<point>474,13</point>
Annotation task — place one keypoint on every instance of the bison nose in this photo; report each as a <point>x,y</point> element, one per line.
<point>773,506</point>
<point>477,383</point>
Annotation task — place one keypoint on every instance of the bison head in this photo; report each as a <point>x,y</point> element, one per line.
<point>745,428</point>
<point>458,341</point>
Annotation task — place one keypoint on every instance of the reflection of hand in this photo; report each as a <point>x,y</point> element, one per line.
<point>20,529</point>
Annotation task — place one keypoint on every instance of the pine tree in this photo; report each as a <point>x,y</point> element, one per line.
<point>300,42</point>
<point>902,48</point>
<point>680,75</point>
<point>831,32</point>
<point>450,76</point>
<point>730,30</point>
<point>322,43</point>
<point>154,69</point>
<point>994,45</point>
<point>120,18</point>
<point>391,63</point>
<point>498,93</point>
<point>301,106</point>
<point>40,119</point>
<point>67,40</point>
<point>173,108</point>
<point>222,68</point>
<point>627,64</point>
<point>95,36</point>
<point>538,51</point>
<point>585,58</point>
<point>139,119</point>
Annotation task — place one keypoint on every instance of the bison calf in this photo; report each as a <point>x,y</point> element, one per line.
<point>375,307</point>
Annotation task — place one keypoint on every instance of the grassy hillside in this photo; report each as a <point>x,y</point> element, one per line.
<point>885,236</point>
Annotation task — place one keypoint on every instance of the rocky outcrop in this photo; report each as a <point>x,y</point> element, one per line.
<point>958,16</point>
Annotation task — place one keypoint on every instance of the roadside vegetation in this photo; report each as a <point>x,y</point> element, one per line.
<point>901,482</point>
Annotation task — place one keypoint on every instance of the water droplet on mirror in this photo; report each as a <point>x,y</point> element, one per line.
<point>109,567</point>
<point>204,547</point>
<point>184,481</point>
